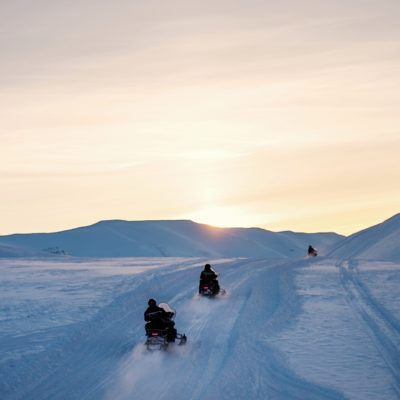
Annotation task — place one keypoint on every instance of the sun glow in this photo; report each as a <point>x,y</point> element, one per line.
<point>224,217</point>
<point>252,116</point>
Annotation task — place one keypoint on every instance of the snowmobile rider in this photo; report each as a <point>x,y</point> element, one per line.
<point>159,319</point>
<point>209,277</point>
<point>311,251</point>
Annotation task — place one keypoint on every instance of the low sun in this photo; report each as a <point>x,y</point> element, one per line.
<point>223,217</point>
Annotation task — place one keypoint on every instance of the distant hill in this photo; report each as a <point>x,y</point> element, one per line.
<point>181,238</point>
<point>379,242</point>
<point>7,251</point>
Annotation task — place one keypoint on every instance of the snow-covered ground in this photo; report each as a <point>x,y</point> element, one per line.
<point>308,329</point>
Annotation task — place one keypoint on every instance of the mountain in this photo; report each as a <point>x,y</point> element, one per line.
<point>7,251</point>
<point>181,238</point>
<point>379,242</point>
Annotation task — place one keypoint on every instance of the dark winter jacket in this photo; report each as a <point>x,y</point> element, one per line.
<point>312,251</point>
<point>158,318</point>
<point>155,312</point>
<point>208,276</point>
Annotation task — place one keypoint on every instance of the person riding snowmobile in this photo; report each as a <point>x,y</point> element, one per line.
<point>209,277</point>
<point>312,252</point>
<point>159,319</point>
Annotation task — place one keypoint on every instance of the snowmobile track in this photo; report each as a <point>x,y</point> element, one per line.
<point>383,330</point>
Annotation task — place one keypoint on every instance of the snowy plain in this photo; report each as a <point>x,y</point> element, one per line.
<point>308,329</point>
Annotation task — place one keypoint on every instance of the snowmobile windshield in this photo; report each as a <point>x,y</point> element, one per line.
<point>166,307</point>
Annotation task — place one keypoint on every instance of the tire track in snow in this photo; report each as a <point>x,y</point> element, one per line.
<point>203,309</point>
<point>382,329</point>
<point>105,355</point>
<point>221,333</point>
<point>188,372</point>
<point>233,341</point>
<point>269,376</point>
<point>89,357</point>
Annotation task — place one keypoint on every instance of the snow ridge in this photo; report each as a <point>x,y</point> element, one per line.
<point>379,242</point>
<point>119,238</point>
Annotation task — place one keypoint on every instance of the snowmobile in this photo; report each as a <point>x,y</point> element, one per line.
<point>312,252</point>
<point>159,339</point>
<point>209,285</point>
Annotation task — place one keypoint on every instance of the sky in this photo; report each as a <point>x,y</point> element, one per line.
<point>282,115</point>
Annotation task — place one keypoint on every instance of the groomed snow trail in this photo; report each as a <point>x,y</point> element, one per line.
<point>227,355</point>
<point>383,329</point>
<point>306,330</point>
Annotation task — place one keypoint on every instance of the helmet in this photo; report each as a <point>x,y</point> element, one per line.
<point>152,302</point>
<point>207,267</point>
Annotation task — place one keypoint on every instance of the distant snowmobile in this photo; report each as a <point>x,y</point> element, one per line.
<point>312,252</point>
<point>160,331</point>
<point>209,285</point>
